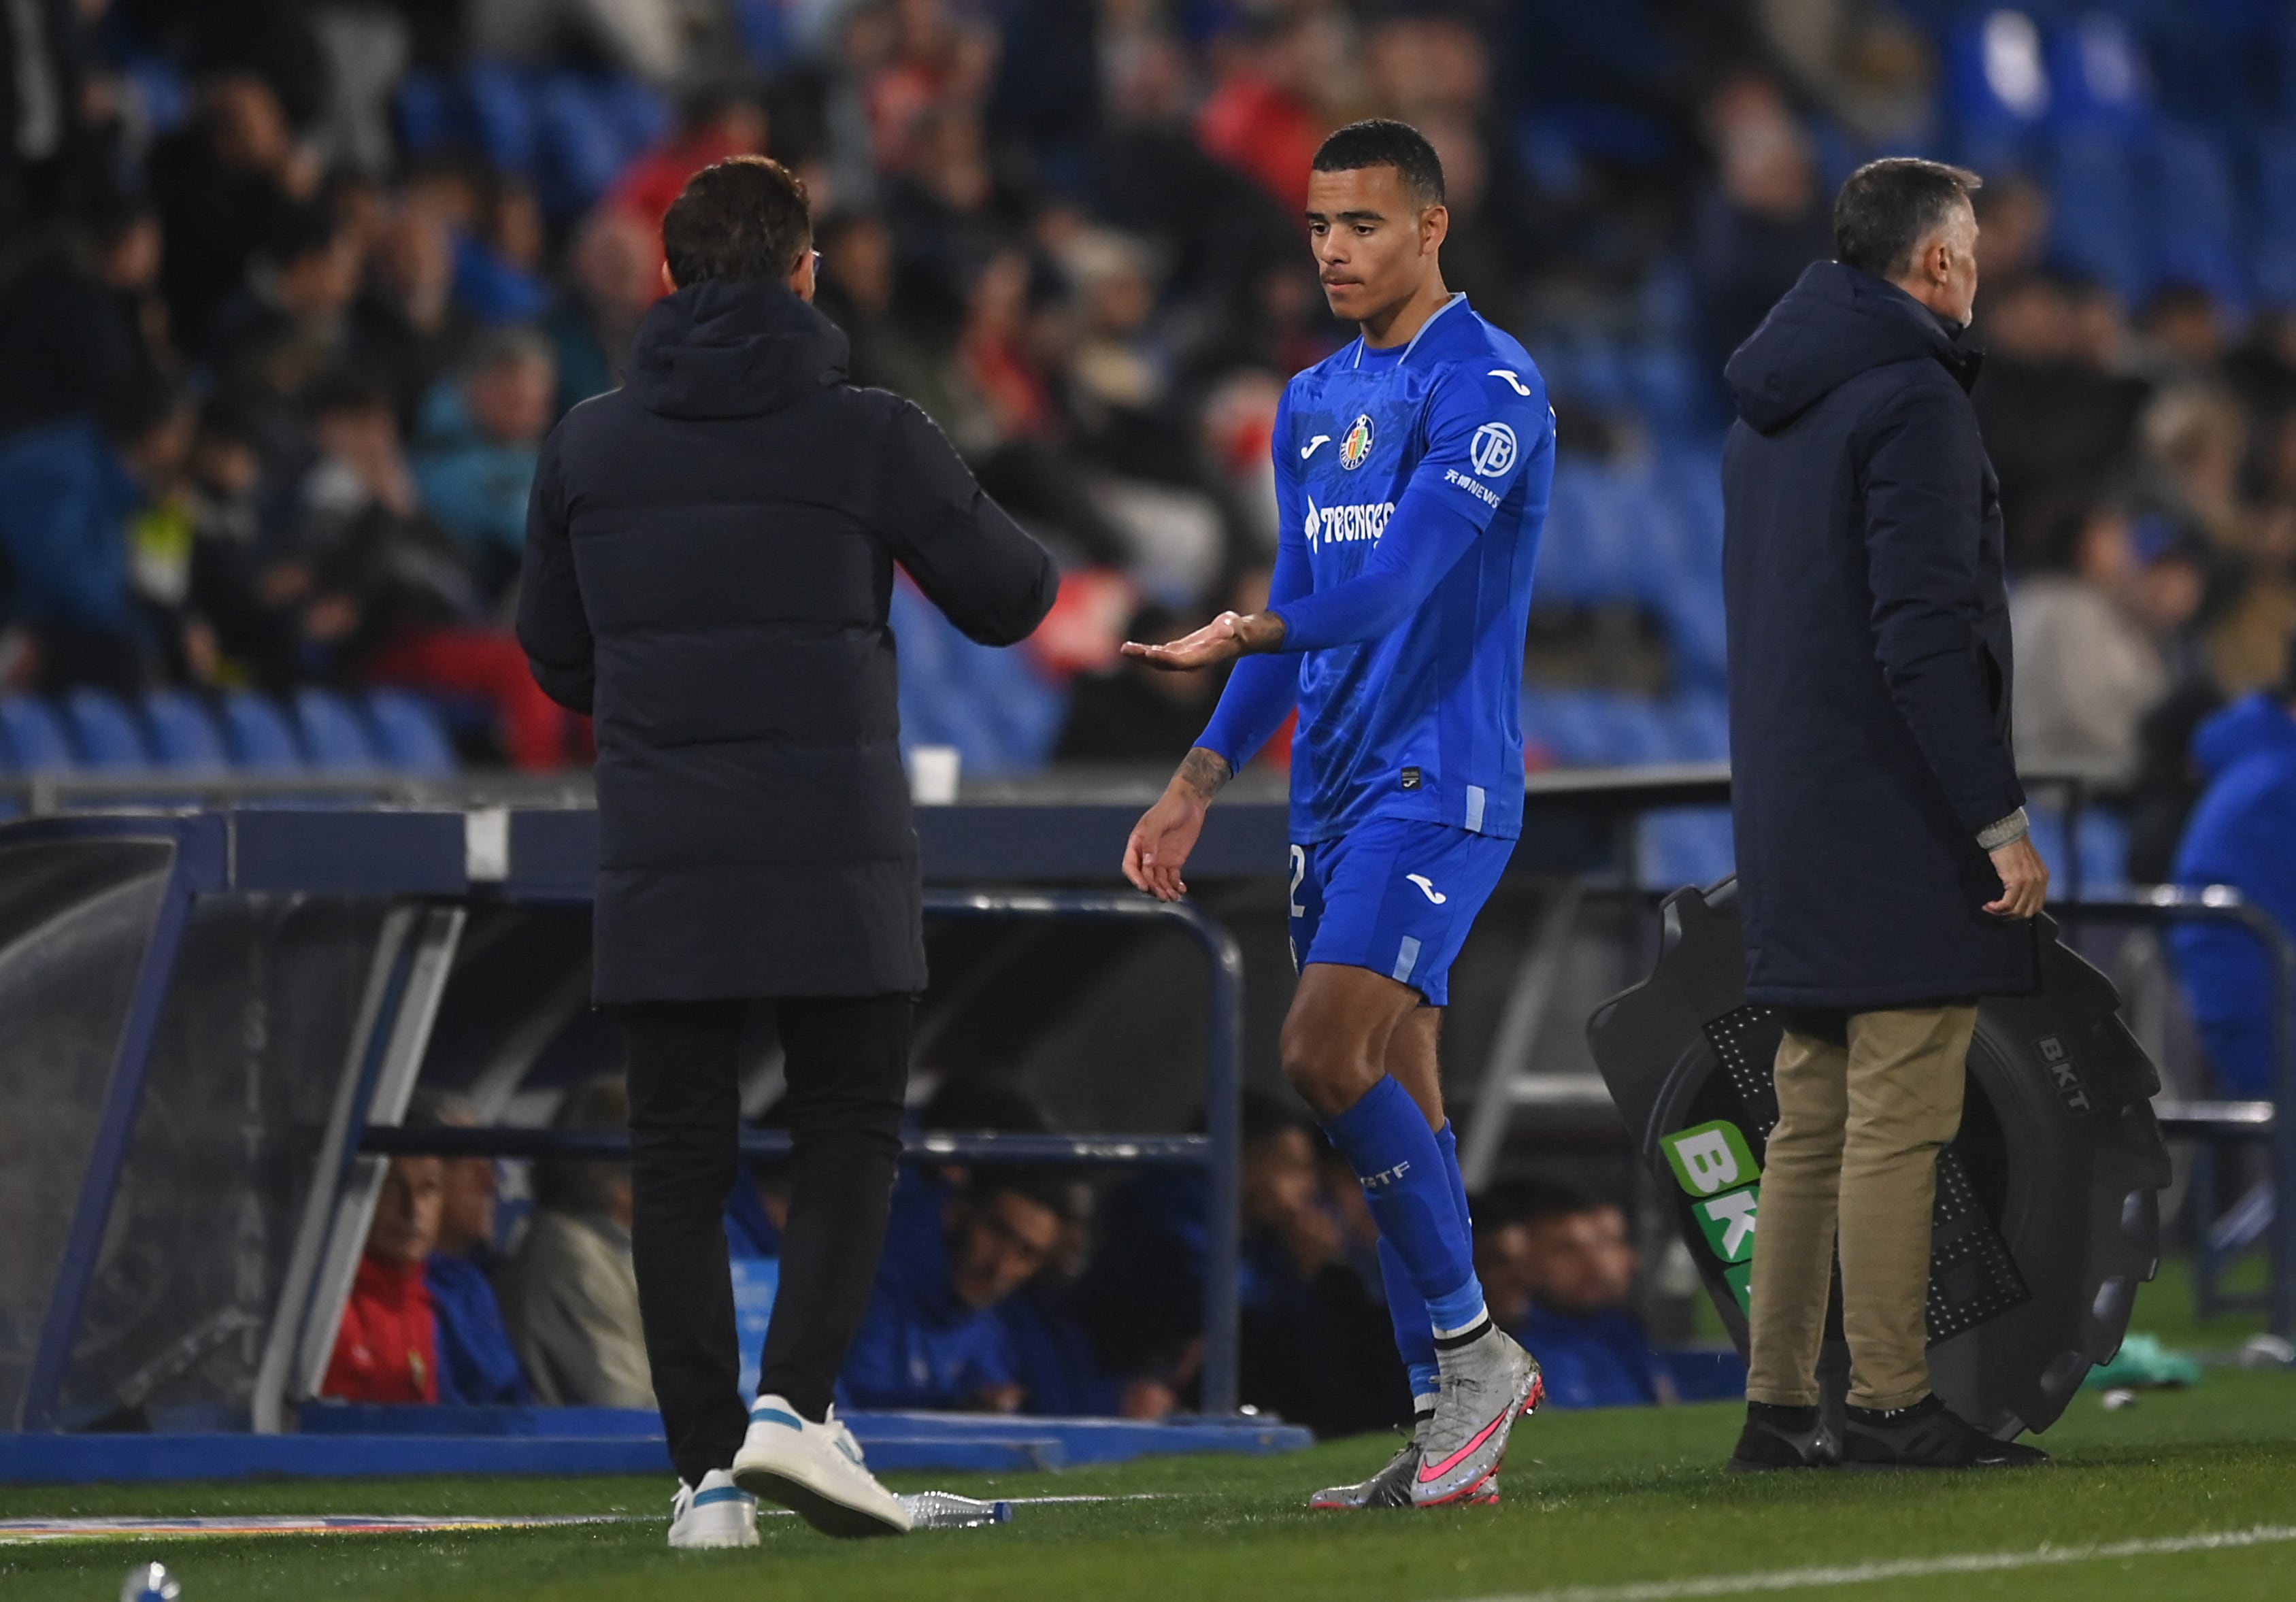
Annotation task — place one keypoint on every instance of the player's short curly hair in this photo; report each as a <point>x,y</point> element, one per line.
<point>1383,141</point>
<point>746,217</point>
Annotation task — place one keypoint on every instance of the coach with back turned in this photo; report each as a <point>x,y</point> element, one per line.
<point>1886,878</point>
<point>709,557</point>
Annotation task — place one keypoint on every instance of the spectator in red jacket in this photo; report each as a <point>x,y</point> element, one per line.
<point>388,1350</point>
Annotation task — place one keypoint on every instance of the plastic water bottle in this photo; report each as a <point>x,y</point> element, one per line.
<point>942,1510</point>
<point>149,1582</point>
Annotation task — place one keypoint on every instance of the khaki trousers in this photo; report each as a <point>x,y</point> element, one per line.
<point>1866,1102</point>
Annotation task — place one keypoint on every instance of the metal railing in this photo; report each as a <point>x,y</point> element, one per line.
<point>1217,1150</point>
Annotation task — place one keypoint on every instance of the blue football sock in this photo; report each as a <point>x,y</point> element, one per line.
<point>1414,1336</point>
<point>1447,1141</point>
<point>1386,1138</point>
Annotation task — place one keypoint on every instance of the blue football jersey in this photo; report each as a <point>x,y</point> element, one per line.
<point>1425,722</point>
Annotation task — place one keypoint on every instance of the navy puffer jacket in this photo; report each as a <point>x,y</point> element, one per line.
<point>710,556</point>
<point>1869,657</point>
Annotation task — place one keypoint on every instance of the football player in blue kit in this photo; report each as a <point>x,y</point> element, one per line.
<point>1411,473</point>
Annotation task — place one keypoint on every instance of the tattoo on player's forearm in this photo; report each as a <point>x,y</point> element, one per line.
<point>1204,772</point>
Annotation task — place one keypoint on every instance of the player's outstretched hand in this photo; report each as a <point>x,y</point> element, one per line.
<point>1225,638</point>
<point>2024,879</point>
<point>1162,841</point>
<point>1218,641</point>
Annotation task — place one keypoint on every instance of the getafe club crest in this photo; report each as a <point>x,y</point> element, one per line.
<point>1357,445</point>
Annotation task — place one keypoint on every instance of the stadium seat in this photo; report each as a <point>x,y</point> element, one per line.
<point>33,736</point>
<point>501,116</point>
<point>1995,85</point>
<point>334,738</point>
<point>1685,845</point>
<point>2272,263</point>
<point>103,732</point>
<point>427,111</point>
<point>257,736</point>
<point>2096,72</point>
<point>1699,724</point>
<point>180,731</point>
<point>406,732</point>
<point>991,706</point>
<point>2096,224</point>
<point>2195,213</point>
<point>577,145</point>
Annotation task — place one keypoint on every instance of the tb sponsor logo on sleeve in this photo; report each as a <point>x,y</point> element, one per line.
<point>1492,450</point>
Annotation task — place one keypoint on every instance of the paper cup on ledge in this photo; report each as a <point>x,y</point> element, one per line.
<point>933,773</point>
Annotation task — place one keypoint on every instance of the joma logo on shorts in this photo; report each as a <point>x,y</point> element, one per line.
<point>2070,1090</point>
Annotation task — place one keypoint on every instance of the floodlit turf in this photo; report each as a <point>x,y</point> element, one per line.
<point>1594,1500</point>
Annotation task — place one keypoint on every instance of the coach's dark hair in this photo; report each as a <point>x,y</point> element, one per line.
<point>1383,141</point>
<point>743,218</point>
<point>1887,206</point>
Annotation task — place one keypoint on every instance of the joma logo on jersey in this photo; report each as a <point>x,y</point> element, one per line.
<point>1356,446</point>
<point>1331,525</point>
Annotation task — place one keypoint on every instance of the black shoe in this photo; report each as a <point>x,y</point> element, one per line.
<point>1928,1435</point>
<point>1782,1437</point>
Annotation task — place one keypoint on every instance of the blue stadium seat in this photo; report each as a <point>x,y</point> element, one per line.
<point>1635,732</point>
<point>257,736</point>
<point>103,732</point>
<point>2096,222</point>
<point>407,734</point>
<point>578,147</point>
<point>33,736</point>
<point>428,111</point>
<point>181,732</point>
<point>2195,214</point>
<point>1562,577</point>
<point>1995,85</point>
<point>332,736</point>
<point>2103,845</point>
<point>991,706</point>
<point>1699,722</point>
<point>501,115</point>
<point>639,115</point>
<point>2272,264</point>
<point>2096,72</point>
<point>1685,845</point>
<point>1570,724</point>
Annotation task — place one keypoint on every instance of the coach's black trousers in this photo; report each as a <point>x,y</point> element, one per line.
<point>847,1063</point>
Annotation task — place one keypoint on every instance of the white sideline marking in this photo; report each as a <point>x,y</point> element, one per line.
<point>1907,1568</point>
<point>23,1532</point>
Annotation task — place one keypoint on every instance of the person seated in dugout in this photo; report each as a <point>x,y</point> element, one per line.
<point>388,1348</point>
<point>932,1337</point>
<point>478,1365</point>
<point>1558,1271</point>
<point>571,1292</point>
<point>1317,1346</point>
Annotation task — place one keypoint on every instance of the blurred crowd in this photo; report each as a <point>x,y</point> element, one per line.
<point>290,292</point>
<point>1002,1289</point>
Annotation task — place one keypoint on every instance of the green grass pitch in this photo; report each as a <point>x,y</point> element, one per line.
<point>1631,1503</point>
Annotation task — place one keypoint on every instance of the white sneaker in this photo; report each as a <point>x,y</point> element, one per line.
<point>716,1513</point>
<point>816,1470</point>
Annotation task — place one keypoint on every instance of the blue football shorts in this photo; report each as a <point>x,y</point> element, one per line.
<point>1394,896</point>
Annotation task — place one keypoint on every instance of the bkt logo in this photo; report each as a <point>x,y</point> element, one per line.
<point>1332,525</point>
